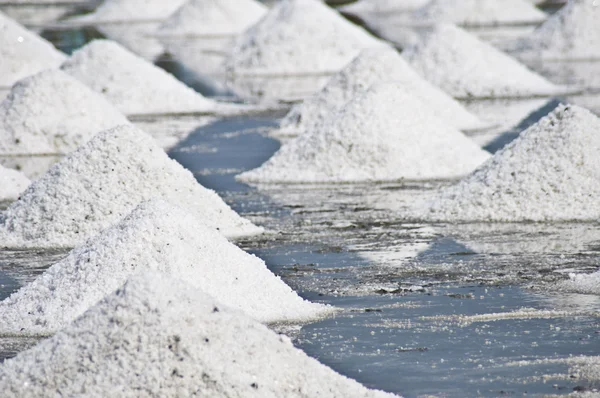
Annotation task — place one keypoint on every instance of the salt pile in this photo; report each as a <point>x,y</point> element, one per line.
<point>384,134</point>
<point>374,65</point>
<point>298,37</point>
<point>582,283</point>
<point>466,67</point>
<point>551,172</point>
<point>124,11</point>
<point>52,113</point>
<point>12,183</point>
<point>134,85</point>
<point>23,53</point>
<point>572,33</point>
<point>361,7</point>
<point>213,18</point>
<point>103,181</point>
<point>159,336</point>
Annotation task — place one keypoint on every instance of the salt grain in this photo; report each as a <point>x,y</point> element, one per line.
<point>12,183</point>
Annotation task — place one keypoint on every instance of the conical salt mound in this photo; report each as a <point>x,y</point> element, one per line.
<point>119,11</point>
<point>133,84</point>
<point>160,237</point>
<point>103,181</point>
<point>466,67</point>
<point>374,65</point>
<point>12,183</point>
<point>384,134</point>
<point>298,37</point>
<point>361,7</point>
<point>52,113</point>
<point>479,12</point>
<point>213,18</point>
<point>551,172</point>
<point>572,33</point>
<point>23,53</point>
<point>158,336</point>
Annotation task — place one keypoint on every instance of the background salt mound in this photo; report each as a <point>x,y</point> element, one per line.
<point>383,134</point>
<point>551,172</point>
<point>12,183</point>
<point>131,11</point>
<point>581,283</point>
<point>52,113</point>
<point>466,67</point>
<point>572,33</point>
<point>373,66</point>
<point>213,18</point>
<point>103,181</point>
<point>133,84</point>
<point>382,6</point>
<point>298,37</point>
<point>161,237</point>
<point>23,53</point>
<point>158,336</point>
<point>478,12</point>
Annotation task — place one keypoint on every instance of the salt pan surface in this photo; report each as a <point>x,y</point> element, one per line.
<point>52,113</point>
<point>23,53</point>
<point>122,11</point>
<point>298,37</point>
<point>373,66</point>
<point>158,336</point>
<point>466,67</point>
<point>103,181</point>
<point>134,85</point>
<point>551,172</point>
<point>12,183</point>
<point>383,134</point>
<point>213,18</point>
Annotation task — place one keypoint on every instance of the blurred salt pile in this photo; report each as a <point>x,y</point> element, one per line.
<point>383,134</point>
<point>100,183</point>
<point>159,336</point>
<point>23,53</point>
<point>371,66</point>
<point>582,283</point>
<point>12,183</point>
<point>465,67</point>
<point>52,113</point>
<point>366,7</point>
<point>551,172</point>
<point>134,85</point>
<point>127,11</point>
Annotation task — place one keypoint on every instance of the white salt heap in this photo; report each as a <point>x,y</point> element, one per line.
<point>159,336</point>
<point>298,37</point>
<point>466,67</point>
<point>374,65</point>
<point>213,18</point>
<point>52,113</point>
<point>12,183</point>
<point>383,134</point>
<point>582,283</point>
<point>133,84</point>
<point>362,7</point>
<point>161,237</point>
<point>551,172</point>
<point>100,183</point>
<point>124,11</point>
<point>23,53</point>
<point>571,33</point>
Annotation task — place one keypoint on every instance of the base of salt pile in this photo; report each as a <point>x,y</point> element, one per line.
<point>12,184</point>
<point>385,134</point>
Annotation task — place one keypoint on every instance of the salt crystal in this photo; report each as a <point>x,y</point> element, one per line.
<point>466,67</point>
<point>100,183</point>
<point>12,183</point>
<point>123,11</point>
<point>52,113</point>
<point>298,37</point>
<point>133,84</point>
<point>383,134</point>
<point>23,53</point>
<point>551,172</point>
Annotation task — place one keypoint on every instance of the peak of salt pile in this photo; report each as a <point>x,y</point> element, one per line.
<point>122,11</point>
<point>52,113</point>
<point>383,134</point>
<point>23,53</point>
<point>465,67</point>
<point>551,172</point>
<point>101,182</point>
<point>571,33</point>
<point>374,65</point>
<point>159,336</point>
<point>213,18</point>
<point>382,6</point>
<point>298,37</point>
<point>12,183</point>
<point>156,236</point>
<point>133,84</point>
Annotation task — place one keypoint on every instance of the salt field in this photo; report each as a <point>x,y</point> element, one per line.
<point>424,224</point>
